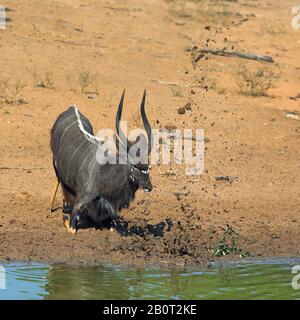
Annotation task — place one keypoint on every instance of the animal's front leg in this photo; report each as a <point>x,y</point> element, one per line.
<point>72,224</point>
<point>66,220</point>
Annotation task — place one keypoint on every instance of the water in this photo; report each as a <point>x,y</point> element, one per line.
<point>248,280</point>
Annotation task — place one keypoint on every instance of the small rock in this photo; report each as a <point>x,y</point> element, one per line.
<point>292,115</point>
<point>188,106</point>
<point>181,110</point>
<point>295,97</point>
<point>180,23</point>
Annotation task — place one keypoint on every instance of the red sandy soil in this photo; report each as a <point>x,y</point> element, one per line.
<point>143,44</point>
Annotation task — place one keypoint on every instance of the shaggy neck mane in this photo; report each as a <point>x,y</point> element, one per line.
<point>124,195</point>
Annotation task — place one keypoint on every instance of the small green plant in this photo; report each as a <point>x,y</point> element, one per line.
<point>178,8</point>
<point>85,79</point>
<point>228,244</point>
<point>10,93</point>
<point>253,83</point>
<point>44,81</point>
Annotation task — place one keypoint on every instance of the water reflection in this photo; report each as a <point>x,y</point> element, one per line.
<point>25,282</point>
<point>268,280</point>
<point>86,283</point>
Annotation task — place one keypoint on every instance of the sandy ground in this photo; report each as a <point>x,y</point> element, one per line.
<point>143,44</point>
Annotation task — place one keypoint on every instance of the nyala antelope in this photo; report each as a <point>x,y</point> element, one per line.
<point>91,189</point>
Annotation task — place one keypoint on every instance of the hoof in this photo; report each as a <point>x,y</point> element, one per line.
<point>71,231</point>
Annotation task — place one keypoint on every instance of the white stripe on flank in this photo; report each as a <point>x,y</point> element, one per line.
<point>88,154</point>
<point>60,124</point>
<point>91,173</point>
<point>67,128</point>
<point>71,159</point>
<point>61,149</point>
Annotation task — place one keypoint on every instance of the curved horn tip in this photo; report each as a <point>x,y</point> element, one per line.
<point>143,98</point>
<point>123,94</point>
<point>121,101</point>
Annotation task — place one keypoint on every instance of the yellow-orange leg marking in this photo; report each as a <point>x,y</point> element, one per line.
<point>67,225</point>
<point>50,209</point>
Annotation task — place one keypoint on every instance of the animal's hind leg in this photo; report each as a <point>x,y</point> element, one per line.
<point>50,209</point>
<point>68,204</point>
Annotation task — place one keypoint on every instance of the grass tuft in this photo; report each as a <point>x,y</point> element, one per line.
<point>11,93</point>
<point>253,83</point>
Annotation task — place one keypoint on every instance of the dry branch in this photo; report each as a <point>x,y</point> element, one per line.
<point>22,169</point>
<point>224,53</point>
